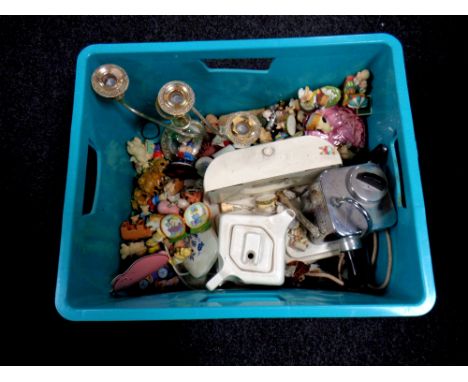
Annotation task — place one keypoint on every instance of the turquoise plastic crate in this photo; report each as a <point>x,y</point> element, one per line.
<point>90,242</point>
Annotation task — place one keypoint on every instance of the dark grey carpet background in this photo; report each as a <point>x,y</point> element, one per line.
<point>37,66</point>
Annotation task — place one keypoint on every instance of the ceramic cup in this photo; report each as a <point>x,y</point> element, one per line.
<point>204,253</point>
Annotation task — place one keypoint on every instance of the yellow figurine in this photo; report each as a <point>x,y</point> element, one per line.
<point>180,254</point>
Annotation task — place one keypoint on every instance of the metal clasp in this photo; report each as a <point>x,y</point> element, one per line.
<point>338,202</point>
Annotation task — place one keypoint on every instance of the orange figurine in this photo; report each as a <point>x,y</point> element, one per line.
<point>134,232</point>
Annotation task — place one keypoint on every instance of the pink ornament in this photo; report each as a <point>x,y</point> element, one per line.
<point>139,270</point>
<point>347,127</point>
<point>166,208</point>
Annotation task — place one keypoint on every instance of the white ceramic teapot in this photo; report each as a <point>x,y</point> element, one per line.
<point>251,249</point>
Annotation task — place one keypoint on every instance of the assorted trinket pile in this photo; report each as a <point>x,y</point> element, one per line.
<point>172,239</point>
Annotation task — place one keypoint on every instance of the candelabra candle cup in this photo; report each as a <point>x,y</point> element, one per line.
<point>175,99</point>
<point>110,81</point>
<point>243,129</point>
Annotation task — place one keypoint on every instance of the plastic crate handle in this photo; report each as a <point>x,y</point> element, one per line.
<point>224,64</point>
<point>90,180</point>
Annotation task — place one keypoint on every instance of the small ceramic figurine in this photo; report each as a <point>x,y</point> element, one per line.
<point>212,120</point>
<point>300,116</point>
<point>158,164</point>
<point>145,212</point>
<point>280,119</point>
<point>138,154</point>
<point>157,152</point>
<point>173,198</point>
<point>267,114</point>
<point>182,204</point>
<point>179,255</point>
<point>152,179</point>
<point>294,104</point>
<point>165,208</point>
<point>316,121</point>
<point>139,199</point>
<point>154,222</point>
<point>150,182</point>
<point>126,250</point>
<point>291,124</point>
<point>326,96</point>
<point>174,186</point>
<point>360,80</point>
<point>192,196</point>
<point>265,136</point>
<point>354,90</point>
<point>134,232</point>
<point>153,202</point>
<point>153,244</point>
<point>306,98</point>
